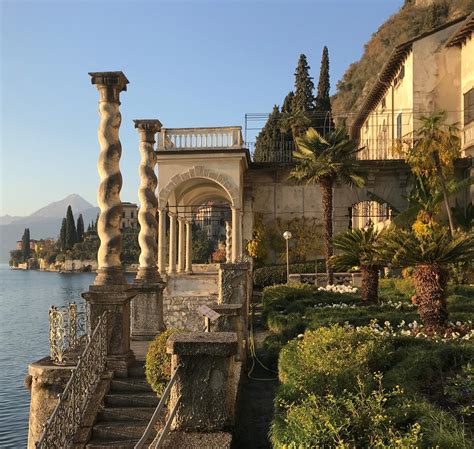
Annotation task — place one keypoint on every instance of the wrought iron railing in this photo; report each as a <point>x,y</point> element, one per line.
<point>281,152</point>
<point>159,440</point>
<point>67,329</point>
<point>61,428</point>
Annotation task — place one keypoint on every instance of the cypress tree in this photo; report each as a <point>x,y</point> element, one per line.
<point>268,141</point>
<point>287,107</point>
<point>322,103</point>
<point>302,106</point>
<point>25,245</point>
<point>303,98</point>
<point>71,233</point>
<point>62,236</point>
<point>80,228</point>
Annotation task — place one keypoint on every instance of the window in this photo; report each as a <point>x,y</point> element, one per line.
<point>131,214</point>
<point>384,103</point>
<point>469,106</point>
<point>123,214</point>
<point>400,76</point>
<point>399,126</point>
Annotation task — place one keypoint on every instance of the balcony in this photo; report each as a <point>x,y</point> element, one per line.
<point>184,139</point>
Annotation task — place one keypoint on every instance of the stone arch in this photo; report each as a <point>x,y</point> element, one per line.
<point>200,172</point>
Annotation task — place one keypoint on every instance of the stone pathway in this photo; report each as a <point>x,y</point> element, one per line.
<point>256,402</point>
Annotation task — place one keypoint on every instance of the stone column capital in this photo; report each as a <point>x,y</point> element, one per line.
<point>147,129</point>
<point>109,85</point>
<point>172,215</point>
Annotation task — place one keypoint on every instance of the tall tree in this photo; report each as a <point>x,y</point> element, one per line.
<point>325,160</point>
<point>287,106</point>
<point>268,141</point>
<point>304,87</point>
<point>322,103</point>
<point>80,228</point>
<point>302,105</point>
<point>62,236</point>
<point>71,232</point>
<point>25,245</point>
<point>436,145</point>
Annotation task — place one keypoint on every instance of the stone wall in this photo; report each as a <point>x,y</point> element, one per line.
<point>183,295</point>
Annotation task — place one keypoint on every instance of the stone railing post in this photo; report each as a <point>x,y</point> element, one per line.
<point>205,389</point>
<point>110,290</point>
<point>147,306</point>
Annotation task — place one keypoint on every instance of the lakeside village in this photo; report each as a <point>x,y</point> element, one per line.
<point>75,249</point>
<point>293,355</point>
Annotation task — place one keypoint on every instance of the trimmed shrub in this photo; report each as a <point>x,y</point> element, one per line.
<point>158,362</point>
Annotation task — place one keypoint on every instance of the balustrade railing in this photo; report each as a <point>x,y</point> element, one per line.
<point>159,440</point>
<point>67,329</point>
<point>228,137</point>
<point>61,428</point>
<point>280,152</point>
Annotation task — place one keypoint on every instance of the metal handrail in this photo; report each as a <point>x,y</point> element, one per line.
<point>64,422</point>
<point>156,413</point>
<point>165,430</point>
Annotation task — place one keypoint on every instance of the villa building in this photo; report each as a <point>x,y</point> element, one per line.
<point>129,216</point>
<point>432,72</point>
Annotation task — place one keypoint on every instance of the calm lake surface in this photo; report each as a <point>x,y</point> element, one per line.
<point>25,297</point>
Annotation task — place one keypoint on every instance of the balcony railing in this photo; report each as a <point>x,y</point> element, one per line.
<point>228,137</point>
<point>468,136</point>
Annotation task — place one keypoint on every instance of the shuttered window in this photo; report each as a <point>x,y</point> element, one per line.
<point>469,107</point>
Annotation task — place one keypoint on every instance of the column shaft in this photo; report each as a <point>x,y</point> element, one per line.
<point>181,245</point>
<point>172,250</point>
<point>162,241</point>
<point>236,235</point>
<point>189,250</point>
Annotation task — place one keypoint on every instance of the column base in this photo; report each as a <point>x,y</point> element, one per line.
<point>110,276</point>
<point>119,364</point>
<point>147,275</point>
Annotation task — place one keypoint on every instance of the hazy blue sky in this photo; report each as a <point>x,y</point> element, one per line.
<point>194,63</point>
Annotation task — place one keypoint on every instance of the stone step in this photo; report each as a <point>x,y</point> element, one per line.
<point>137,369</point>
<point>130,384</point>
<point>117,430</point>
<point>131,399</point>
<point>99,443</point>
<point>126,414</point>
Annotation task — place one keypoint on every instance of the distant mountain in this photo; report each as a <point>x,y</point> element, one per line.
<point>59,208</point>
<point>43,223</point>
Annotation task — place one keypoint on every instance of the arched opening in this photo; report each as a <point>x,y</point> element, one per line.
<point>201,221</point>
<point>369,213</point>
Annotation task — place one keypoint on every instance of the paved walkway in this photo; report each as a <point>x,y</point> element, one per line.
<point>256,404</point>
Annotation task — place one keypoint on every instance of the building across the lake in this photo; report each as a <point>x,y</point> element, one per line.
<point>129,216</point>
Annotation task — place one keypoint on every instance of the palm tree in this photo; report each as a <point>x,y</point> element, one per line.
<point>429,253</point>
<point>436,145</point>
<point>361,247</point>
<point>324,161</point>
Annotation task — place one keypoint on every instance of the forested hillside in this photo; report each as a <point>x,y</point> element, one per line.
<point>415,17</point>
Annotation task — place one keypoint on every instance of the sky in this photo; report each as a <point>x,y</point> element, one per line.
<point>190,63</point>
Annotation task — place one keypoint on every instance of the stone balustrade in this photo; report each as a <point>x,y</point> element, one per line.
<point>227,137</point>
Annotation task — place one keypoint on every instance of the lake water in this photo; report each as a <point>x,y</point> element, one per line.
<point>25,297</point>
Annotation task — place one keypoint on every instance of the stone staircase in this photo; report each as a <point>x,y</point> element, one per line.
<point>128,407</point>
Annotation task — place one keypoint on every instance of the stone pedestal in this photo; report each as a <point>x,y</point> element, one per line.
<point>232,320</point>
<point>45,381</point>
<point>147,307</point>
<point>115,299</point>
<point>206,383</point>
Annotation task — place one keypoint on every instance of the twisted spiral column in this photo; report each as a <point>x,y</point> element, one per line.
<point>147,238</point>
<point>109,85</point>
<point>228,242</point>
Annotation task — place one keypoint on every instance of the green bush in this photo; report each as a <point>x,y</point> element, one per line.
<point>158,362</point>
<point>401,288</point>
<point>330,397</point>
